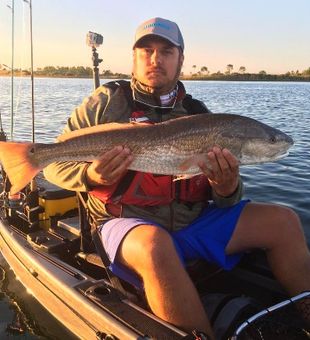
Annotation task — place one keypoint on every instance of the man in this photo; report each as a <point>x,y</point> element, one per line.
<point>157,221</point>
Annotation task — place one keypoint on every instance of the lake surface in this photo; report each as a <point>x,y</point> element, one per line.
<point>285,106</point>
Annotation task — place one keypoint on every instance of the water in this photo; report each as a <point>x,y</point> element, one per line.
<point>282,105</point>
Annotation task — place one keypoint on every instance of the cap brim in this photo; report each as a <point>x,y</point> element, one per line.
<point>158,35</point>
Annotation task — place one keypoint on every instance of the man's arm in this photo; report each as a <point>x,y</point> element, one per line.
<point>72,175</point>
<point>228,201</point>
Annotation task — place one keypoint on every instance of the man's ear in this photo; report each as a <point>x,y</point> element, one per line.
<point>134,57</point>
<point>181,59</point>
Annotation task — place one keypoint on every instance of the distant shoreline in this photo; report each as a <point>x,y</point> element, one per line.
<point>249,77</point>
<point>213,77</point>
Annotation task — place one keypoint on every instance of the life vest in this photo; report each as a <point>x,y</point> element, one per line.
<point>146,189</point>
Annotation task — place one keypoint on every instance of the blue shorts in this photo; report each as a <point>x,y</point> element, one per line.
<point>205,238</point>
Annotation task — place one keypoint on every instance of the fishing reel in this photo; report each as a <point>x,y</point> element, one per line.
<point>10,204</point>
<point>23,205</point>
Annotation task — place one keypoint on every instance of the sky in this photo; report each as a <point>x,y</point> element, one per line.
<point>269,35</point>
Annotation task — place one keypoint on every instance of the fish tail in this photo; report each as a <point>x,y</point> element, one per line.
<point>18,163</point>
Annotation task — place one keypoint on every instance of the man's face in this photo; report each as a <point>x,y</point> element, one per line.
<point>157,64</point>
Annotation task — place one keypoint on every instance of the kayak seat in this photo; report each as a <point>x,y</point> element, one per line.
<point>199,270</point>
<point>120,271</point>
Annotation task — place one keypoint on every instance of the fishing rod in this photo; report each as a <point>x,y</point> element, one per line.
<point>6,183</point>
<point>29,2</point>
<point>32,207</point>
<point>2,133</point>
<point>25,204</point>
<point>12,8</point>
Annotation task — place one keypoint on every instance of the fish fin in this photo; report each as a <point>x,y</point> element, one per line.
<point>183,176</point>
<point>192,162</point>
<point>18,164</point>
<point>95,129</point>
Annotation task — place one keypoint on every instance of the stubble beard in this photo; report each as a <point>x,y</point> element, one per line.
<point>164,87</point>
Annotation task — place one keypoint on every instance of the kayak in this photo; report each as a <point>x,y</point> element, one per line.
<point>40,238</point>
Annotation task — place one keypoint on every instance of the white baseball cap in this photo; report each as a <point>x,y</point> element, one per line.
<point>163,28</point>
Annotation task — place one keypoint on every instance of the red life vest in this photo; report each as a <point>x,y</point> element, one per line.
<point>146,189</point>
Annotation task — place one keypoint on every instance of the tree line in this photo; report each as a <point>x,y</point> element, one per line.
<point>63,71</point>
<point>75,71</point>
<point>202,74</point>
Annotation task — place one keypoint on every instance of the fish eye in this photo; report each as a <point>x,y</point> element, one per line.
<point>272,139</point>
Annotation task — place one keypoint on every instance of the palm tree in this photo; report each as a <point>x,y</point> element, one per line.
<point>242,69</point>
<point>194,68</point>
<point>306,72</point>
<point>229,68</point>
<point>205,70</point>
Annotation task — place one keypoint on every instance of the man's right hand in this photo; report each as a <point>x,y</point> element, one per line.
<point>109,167</point>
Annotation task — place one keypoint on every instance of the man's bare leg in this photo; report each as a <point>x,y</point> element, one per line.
<point>277,230</point>
<point>170,292</point>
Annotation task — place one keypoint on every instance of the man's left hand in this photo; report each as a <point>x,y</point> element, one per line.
<point>222,170</point>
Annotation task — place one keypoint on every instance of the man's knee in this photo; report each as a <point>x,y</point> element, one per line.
<point>145,246</point>
<point>287,218</point>
<point>266,226</point>
<point>288,226</point>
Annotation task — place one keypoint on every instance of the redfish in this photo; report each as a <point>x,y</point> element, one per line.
<point>173,147</point>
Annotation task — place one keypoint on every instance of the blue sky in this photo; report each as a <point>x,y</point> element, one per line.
<point>258,34</point>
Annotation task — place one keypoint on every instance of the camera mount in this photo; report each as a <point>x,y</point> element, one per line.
<point>94,40</point>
